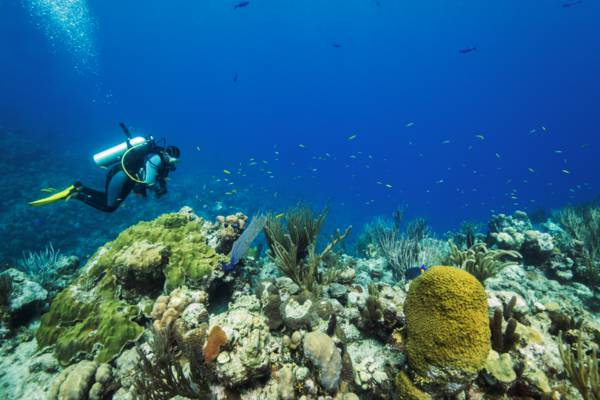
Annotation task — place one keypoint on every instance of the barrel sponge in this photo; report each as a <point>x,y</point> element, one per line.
<point>448,327</point>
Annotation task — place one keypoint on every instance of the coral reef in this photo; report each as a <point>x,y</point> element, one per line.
<point>153,315</point>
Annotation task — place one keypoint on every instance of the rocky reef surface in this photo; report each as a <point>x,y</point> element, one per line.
<point>153,315</point>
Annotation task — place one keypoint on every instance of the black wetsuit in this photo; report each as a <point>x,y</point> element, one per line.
<point>118,185</point>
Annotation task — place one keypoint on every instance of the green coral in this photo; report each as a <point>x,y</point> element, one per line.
<point>448,327</point>
<point>191,259</point>
<point>97,315</point>
<point>81,322</point>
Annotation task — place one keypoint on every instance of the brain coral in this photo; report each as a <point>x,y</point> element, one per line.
<point>97,315</point>
<point>448,329</point>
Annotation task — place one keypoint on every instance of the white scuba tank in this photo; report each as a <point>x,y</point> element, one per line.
<point>113,155</point>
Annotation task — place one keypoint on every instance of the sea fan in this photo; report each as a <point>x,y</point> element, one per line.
<point>242,244</point>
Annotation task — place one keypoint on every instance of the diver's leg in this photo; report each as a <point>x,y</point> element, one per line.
<point>96,198</point>
<point>117,190</point>
<point>91,197</point>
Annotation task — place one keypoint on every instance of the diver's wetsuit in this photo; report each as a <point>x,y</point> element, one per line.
<point>119,186</point>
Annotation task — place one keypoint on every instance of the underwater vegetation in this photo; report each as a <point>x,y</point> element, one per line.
<point>402,248</point>
<point>292,243</point>
<point>582,369</point>
<point>480,261</point>
<point>582,225</point>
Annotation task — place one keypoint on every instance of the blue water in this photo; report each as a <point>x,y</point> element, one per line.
<point>449,136</point>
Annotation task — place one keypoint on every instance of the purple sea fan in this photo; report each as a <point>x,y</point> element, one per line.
<point>242,244</point>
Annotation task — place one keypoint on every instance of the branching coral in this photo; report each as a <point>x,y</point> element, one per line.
<point>481,261</point>
<point>581,369</point>
<point>403,249</point>
<point>34,263</point>
<point>42,265</point>
<point>582,223</point>
<point>400,250</point>
<point>504,340</point>
<point>293,247</point>
<point>161,374</point>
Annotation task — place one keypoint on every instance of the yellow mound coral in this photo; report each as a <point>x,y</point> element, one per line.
<point>448,328</point>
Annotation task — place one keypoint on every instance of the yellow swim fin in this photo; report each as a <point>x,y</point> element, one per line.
<point>55,197</point>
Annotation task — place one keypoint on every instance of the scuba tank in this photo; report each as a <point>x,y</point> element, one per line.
<point>116,153</point>
<point>113,155</point>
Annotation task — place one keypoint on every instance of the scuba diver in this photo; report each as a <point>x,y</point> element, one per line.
<point>137,165</point>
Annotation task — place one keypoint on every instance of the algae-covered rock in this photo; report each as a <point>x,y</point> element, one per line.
<point>406,389</point>
<point>246,356</point>
<point>98,314</point>
<point>326,357</point>
<point>141,265</point>
<point>500,367</point>
<point>26,295</point>
<point>448,329</point>
<point>81,323</point>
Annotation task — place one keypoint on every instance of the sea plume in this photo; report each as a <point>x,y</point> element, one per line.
<point>242,244</point>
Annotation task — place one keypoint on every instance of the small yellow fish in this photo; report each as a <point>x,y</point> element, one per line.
<point>280,215</point>
<point>480,137</point>
<point>226,171</point>
<point>352,137</point>
<point>48,190</point>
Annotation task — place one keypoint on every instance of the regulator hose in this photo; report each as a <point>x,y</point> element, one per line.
<point>130,176</point>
